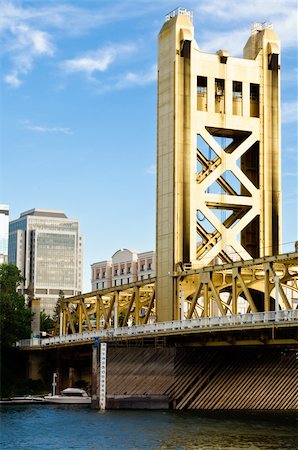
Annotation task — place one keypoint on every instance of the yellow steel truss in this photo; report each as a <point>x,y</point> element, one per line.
<point>130,304</point>
<point>262,283</point>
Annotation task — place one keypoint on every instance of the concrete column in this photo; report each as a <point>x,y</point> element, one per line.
<point>35,308</point>
<point>58,380</point>
<point>71,376</point>
<point>33,366</point>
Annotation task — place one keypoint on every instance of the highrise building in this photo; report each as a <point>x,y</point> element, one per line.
<point>47,248</point>
<point>4,221</point>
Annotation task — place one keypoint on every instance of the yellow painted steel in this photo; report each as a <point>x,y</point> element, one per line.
<point>206,292</point>
<point>218,155</point>
<point>218,124</point>
<point>133,304</point>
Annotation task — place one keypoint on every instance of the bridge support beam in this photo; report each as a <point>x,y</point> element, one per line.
<point>71,376</point>
<point>33,366</point>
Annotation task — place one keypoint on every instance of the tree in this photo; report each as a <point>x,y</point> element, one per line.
<point>46,322</point>
<point>15,316</point>
<point>56,315</point>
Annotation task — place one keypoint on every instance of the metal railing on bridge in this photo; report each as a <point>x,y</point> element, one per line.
<point>228,322</point>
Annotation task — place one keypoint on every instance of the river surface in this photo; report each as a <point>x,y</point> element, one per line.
<point>52,427</point>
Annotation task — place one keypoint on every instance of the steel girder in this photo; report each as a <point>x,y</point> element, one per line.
<point>131,304</point>
<point>263,284</point>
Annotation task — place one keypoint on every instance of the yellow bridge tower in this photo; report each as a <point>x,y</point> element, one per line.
<point>218,155</point>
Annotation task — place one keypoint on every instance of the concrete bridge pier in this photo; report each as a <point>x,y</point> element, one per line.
<point>33,366</point>
<point>71,376</point>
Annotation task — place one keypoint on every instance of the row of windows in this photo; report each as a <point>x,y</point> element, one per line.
<point>57,226</point>
<point>103,284</point>
<point>122,271</point>
<point>219,96</point>
<point>123,281</point>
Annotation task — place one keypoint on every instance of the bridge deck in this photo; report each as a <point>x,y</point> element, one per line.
<point>244,322</point>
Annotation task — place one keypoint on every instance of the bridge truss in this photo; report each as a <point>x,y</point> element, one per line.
<point>263,284</point>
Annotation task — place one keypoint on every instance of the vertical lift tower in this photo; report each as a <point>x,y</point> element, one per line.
<point>218,157</point>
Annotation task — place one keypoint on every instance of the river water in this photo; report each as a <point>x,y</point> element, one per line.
<point>50,427</point>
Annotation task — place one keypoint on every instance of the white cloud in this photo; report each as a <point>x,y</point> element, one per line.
<point>22,43</point>
<point>233,10</point>
<point>229,22</point>
<point>129,79</point>
<point>232,40</point>
<point>46,129</point>
<point>137,78</point>
<point>28,31</point>
<point>289,112</point>
<point>12,79</point>
<point>97,61</point>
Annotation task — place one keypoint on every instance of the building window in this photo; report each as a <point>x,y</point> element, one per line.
<point>128,280</point>
<point>103,274</point>
<point>103,284</point>
<point>237,89</point>
<point>142,267</point>
<point>237,98</point>
<point>219,95</point>
<point>202,93</point>
<point>142,277</point>
<point>122,271</point>
<point>254,100</point>
<point>115,282</point>
<point>149,266</point>
<point>128,269</point>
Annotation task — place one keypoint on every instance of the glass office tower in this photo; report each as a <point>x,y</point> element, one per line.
<point>47,248</point>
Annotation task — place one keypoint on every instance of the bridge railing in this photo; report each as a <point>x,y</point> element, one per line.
<point>211,323</point>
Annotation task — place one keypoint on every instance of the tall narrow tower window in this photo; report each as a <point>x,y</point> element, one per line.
<point>219,95</point>
<point>254,100</point>
<point>237,98</point>
<point>202,93</point>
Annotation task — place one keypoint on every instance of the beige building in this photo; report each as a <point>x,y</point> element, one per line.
<point>126,266</point>
<point>218,161</point>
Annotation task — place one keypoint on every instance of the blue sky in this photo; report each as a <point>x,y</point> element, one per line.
<point>78,96</point>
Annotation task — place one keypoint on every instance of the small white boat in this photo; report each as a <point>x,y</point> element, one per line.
<point>27,399</point>
<point>70,396</point>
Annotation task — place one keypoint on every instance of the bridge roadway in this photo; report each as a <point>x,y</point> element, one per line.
<point>274,321</point>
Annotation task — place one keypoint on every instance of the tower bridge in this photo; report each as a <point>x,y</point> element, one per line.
<point>217,327</point>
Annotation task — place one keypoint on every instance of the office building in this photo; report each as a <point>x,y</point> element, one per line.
<point>47,248</point>
<point>4,223</point>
